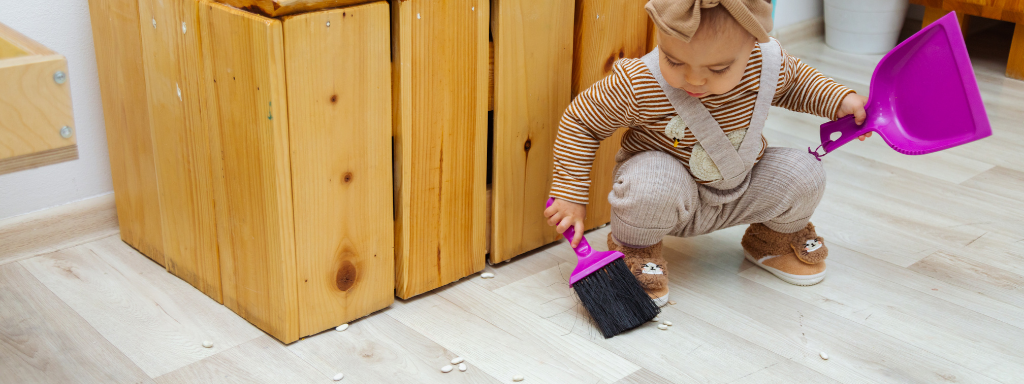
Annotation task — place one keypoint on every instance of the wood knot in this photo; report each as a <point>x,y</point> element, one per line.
<point>528,145</point>
<point>621,53</point>
<point>334,99</point>
<point>348,177</point>
<point>346,276</point>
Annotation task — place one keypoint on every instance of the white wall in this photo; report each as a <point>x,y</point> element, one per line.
<point>63,26</point>
<point>789,12</point>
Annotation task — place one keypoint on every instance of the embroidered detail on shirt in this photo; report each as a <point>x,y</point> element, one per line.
<point>675,130</point>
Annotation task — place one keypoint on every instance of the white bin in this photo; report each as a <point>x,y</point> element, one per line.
<point>864,26</point>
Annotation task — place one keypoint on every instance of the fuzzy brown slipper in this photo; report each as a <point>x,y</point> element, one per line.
<point>649,267</point>
<point>797,258</point>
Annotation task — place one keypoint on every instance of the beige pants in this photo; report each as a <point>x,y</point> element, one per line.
<point>654,196</point>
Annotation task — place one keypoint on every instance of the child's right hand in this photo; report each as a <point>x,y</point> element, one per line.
<point>564,214</point>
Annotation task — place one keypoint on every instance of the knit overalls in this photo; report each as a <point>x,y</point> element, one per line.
<point>655,195</point>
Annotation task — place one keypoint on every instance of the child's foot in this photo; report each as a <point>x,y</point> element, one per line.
<point>649,268</point>
<point>796,258</point>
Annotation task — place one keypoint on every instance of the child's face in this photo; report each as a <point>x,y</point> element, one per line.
<point>708,64</point>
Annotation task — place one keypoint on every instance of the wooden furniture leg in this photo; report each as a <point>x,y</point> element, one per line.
<point>931,14</point>
<point>1015,63</point>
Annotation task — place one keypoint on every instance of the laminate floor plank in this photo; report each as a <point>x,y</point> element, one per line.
<point>42,340</point>
<point>504,339</point>
<point>154,318</point>
<point>261,360</point>
<point>379,349</point>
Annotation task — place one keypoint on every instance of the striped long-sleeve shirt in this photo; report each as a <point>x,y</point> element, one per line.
<point>630,97</point>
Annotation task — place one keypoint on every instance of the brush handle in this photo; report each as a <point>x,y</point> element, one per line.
<point>583,250</point>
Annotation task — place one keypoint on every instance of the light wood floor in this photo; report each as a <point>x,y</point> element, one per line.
<point>925,284</point>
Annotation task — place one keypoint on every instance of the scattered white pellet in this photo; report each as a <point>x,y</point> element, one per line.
<point>486,275</point>
<point>655,319</point>
<point>417,16</point>
<point>207,344</point>
<point>824,356</point>
<point>518,378</point>
<point>667,323</point>
<point>670,302</point>
<point>446,369</point>
<point>462,367</point>
<point>458,360</point>
<point>341,328</point>
<point>662,327</point>
<point>339,376</point>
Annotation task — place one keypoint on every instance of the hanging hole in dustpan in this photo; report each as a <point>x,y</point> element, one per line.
<point>835,135</point>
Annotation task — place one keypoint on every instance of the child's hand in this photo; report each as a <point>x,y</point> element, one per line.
<point>564,214</point>
<point>854,104</point>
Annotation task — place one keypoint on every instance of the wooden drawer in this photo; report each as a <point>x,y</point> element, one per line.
<point>36,123</point>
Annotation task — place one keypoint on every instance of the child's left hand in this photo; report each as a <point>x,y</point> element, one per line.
<point>854,104</point>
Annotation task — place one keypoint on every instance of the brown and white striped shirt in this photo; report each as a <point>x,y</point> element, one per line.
<point>630,97</point>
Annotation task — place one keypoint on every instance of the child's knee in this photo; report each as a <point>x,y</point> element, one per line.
<point>800,170</point>
<point>652,190</point>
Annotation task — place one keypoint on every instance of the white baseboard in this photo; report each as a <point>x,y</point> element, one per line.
<point>803,31</point>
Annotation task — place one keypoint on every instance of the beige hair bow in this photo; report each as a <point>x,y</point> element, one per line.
<point>680,18</point>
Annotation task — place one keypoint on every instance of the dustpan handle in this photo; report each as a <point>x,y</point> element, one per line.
<point>847,126</point>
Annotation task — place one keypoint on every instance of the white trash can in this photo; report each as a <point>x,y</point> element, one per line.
<point>864,26</point>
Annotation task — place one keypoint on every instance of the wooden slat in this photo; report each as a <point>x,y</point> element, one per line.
<point>277,8</point>
<point>244,57</point>
<point>115,31</point>
<point>533,41</point>
<point>13,44</point>
<point>1005,10</point>
<point>339,92</point>
<point>440,129</point>
<point>1015,64</point>
<point>606,30</point>
<point>652,36</point>
<point>33,107</point>
<point>38,159</point>
<point>172,59</point>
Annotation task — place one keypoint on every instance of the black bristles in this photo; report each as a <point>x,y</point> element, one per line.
<point>615,299</point>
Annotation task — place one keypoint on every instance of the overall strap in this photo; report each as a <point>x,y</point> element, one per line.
<point>771,65</point>
<point>699,121</point>
<point>732,164</point>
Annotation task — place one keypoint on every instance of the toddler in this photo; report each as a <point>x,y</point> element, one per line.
<point>694,159</point>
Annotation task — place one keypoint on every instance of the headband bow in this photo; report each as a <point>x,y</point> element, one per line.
<point>680,18</point>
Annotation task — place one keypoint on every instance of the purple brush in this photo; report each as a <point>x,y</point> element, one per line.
<point>609,291</point>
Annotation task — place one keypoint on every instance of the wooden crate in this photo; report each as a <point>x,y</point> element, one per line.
<point>272,164</point>
<point>440,75</point>
<point>118,44</point>
<point>606,30</point>
<point>533,73</point>
<point>1005,10</point>
<point>37,127</point>
<point>305,155</point>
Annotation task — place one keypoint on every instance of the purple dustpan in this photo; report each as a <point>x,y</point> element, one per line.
<point>923,98</point>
